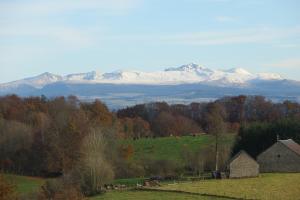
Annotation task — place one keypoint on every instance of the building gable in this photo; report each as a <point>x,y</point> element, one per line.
<point>280,157</point>
<point>289,144</point>
<point>242,155</point>
<point>243,165</point>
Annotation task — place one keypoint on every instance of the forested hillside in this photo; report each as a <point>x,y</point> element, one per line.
<point>87,145</point>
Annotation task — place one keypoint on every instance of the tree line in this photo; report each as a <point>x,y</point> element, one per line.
<point>78,141</point>
<point>163,118</point>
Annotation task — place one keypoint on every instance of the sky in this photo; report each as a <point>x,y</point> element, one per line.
<point>71,36</point>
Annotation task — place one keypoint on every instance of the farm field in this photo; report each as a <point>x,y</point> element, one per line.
<point>151,195</point>
<point>171,147</point>
<point>265,187</point>
<point>26,185</point>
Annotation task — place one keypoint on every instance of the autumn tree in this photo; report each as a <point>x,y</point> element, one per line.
<point>215,125</point>
<point>186,126</point>
<point>127,127</point>
<point>98,113</point>
<point>7,190</point>
<point>164,124</point>
<point>64,137</point>
<point>71,139</point>
<point>141,128</point>
<point>15,143</point>
<point>95,169</point>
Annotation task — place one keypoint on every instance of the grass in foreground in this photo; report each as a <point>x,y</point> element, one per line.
<point>150,195</point>
<point>25,184</point>
<point>265,187</point>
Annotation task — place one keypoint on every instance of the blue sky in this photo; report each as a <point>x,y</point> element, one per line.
<point>70,36</point>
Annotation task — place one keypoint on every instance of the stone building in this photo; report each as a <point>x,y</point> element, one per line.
<point>242,165</point>
<point>283,156</point>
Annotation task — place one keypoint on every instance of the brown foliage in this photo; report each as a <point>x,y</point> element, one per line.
<point>98,113</point>
<point>60,190</point>
<point>7,190</point>
<point>167,124</point>
<point>127,152</point>
<point>135,127</point>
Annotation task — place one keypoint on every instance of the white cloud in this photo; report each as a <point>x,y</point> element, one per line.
<point>291,63</point>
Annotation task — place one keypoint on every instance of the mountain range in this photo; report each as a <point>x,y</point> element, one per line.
<point>182,84</point>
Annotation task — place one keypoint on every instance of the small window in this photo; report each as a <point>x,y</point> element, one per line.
<point>278,156</point>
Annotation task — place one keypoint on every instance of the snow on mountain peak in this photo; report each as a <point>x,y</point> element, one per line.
<point>187,68</point>
<point>121,75</point>
<point>117,75</point>
<point>47,76</point>
<point>190,73</point>
<point>38,81</point>
<point>238,71</point>
<point>270,76</point>
<point>42,79</point>
<point>93,75</point>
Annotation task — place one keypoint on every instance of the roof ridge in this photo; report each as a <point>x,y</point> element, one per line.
<point>237,155</point>
<point>291,144</point>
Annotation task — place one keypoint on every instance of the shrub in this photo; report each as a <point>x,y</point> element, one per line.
<point>128,169</point>
<point>58,189</point>
<point>7,190</point>
<point>161,168</point>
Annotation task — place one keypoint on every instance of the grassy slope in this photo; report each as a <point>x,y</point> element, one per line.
<point>265,187</point>
<point>171,147</point>
<point>137,195</point>
<point>25,184</point>
<point>159,148</point>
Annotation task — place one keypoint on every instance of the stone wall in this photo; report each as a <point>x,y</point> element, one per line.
<point>243,166</point>
<point>279,158</point>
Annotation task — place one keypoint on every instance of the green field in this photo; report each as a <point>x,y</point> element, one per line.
<point>159,148</point>
<point>151,195</point>
<point>25,184</point>
<point>170,148</point>
<point>265,187</point>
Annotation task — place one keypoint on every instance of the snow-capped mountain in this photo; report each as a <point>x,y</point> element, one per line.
<point>36,82</point>
<point>191,73</point>
<point>184,84</point>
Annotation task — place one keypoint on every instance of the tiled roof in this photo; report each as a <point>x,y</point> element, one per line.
<point>291,145</point>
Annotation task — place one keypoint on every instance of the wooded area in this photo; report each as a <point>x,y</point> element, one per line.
<point>78,141</point>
